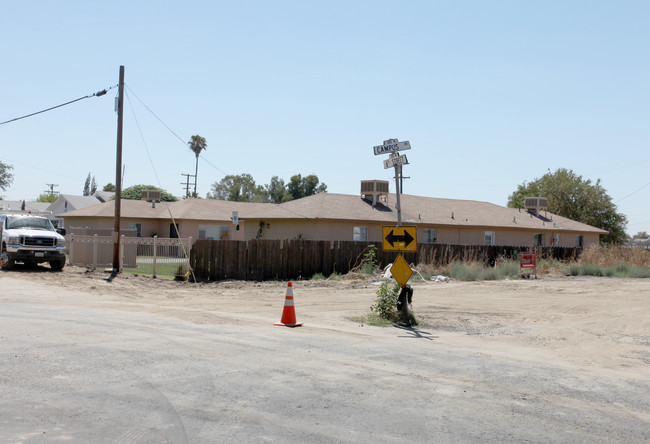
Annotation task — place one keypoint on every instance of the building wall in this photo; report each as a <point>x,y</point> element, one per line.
<point>333,230</point>
<point>321,230</point>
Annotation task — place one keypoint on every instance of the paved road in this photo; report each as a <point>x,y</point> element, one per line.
<point>88,374</point>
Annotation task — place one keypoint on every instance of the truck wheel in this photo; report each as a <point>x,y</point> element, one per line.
<point>6,262</point>
<point>57,265</point>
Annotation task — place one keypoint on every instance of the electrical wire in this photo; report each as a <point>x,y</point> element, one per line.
<point>154,114</point>
<point>153,167</point>
<point>14,162</point>
<point>173,132</point>
<point>632,193</point>
<point>97,94</point>
<point>212,165</point>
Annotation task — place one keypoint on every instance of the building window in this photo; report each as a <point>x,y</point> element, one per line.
<point>360,234</point>
<point>213,232</point>
<point>556,240</point>
<point>429,236</point>
<point>538,240</point>
<point>580,241</point>
<point>137,227</point>
<point>489,238</point>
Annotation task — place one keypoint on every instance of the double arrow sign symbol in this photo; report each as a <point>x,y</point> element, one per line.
<point>400,238</point>
<point>393,238</point>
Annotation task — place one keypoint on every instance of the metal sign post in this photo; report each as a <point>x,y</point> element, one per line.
<point>392,147</point>
<point>399,238</point>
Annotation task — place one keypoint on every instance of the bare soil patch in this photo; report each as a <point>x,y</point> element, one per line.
<point>601,324</point>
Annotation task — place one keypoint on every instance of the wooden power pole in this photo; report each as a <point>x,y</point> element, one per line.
<point>118,174</point>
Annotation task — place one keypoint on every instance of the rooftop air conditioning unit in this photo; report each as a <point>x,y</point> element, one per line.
<point>378,189</point>
<point>151,195</point>
<point>534,204</point>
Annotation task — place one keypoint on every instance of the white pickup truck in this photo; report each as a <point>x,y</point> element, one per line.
<point>31,240</point>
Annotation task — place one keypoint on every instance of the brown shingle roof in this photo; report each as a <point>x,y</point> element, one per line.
<point>416,210</point>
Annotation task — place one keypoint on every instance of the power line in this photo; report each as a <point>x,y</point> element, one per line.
<point>632,193</point>
<point>14,162</point>
<point>172,131</point>
<point>97,94</point>
<point>213,166</point>
<point>144,142</point>
<point>154,114</point>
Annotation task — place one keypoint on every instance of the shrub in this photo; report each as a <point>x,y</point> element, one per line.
<point>385,305</point>
<point>369,264</point>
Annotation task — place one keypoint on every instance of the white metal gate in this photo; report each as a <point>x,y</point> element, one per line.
<point>142,255</point>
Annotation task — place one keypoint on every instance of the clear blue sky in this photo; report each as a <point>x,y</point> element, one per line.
<point>490,94</point>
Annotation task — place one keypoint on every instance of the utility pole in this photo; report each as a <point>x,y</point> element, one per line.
<point>187,184</point>
<point>118,174</point>
<point>398,191</point>
<point>401,181</point>
<point>51,188</point>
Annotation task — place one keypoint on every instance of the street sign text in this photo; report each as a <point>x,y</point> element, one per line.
<point>392,146</point>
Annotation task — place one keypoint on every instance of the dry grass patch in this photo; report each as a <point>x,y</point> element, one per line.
<point>614,255</point>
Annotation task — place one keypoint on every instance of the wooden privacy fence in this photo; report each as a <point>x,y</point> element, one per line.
<point>267,259</point>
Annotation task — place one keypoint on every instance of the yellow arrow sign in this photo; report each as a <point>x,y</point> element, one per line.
<point>401,271</point>
<point>400,238</point>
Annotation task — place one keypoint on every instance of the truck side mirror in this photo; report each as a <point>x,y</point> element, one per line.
<point>61,231</point>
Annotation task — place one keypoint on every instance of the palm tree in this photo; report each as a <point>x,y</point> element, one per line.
<point>197,144</point>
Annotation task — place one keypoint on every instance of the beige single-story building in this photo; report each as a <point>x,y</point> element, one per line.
<point>329,216</point>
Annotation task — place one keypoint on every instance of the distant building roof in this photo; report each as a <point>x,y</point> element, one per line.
<point>104,196</point>
<point>71,202</point>
<point>416,210</point>
<point>16,205</point>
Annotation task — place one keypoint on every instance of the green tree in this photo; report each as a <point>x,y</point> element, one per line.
<point>241,188</point>
<point>276,190</point>
<point>571,196</point>
<point>299,186</point>
<point>197,144</point>
<point>109,187</point>
<point>640,235</point>
<point>6,178</point>
<point>86,191</point>
<point>47,197</point>
<point>135,193</point>
<point>93,186</point>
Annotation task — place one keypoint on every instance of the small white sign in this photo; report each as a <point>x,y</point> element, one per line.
<point>235,217</point>
<point>393,161</point>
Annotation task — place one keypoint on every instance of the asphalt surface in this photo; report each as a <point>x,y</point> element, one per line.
<point>98,374</point>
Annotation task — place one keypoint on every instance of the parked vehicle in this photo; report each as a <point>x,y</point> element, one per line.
<point>31,240</point>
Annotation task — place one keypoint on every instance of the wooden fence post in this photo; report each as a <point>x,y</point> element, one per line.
<point>95,252</point>
<point>155,253</point>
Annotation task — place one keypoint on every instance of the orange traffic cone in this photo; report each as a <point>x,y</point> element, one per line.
<point>289,312</point>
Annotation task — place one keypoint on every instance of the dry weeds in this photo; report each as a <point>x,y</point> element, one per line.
<point>607,256</point>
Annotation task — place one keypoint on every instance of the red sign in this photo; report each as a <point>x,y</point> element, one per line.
<point>527,260</point>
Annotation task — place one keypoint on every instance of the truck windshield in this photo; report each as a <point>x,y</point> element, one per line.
<point>32,223</point>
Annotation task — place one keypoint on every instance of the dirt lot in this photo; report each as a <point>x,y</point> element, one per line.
<point>579,328</point>
<point>597,323</point>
